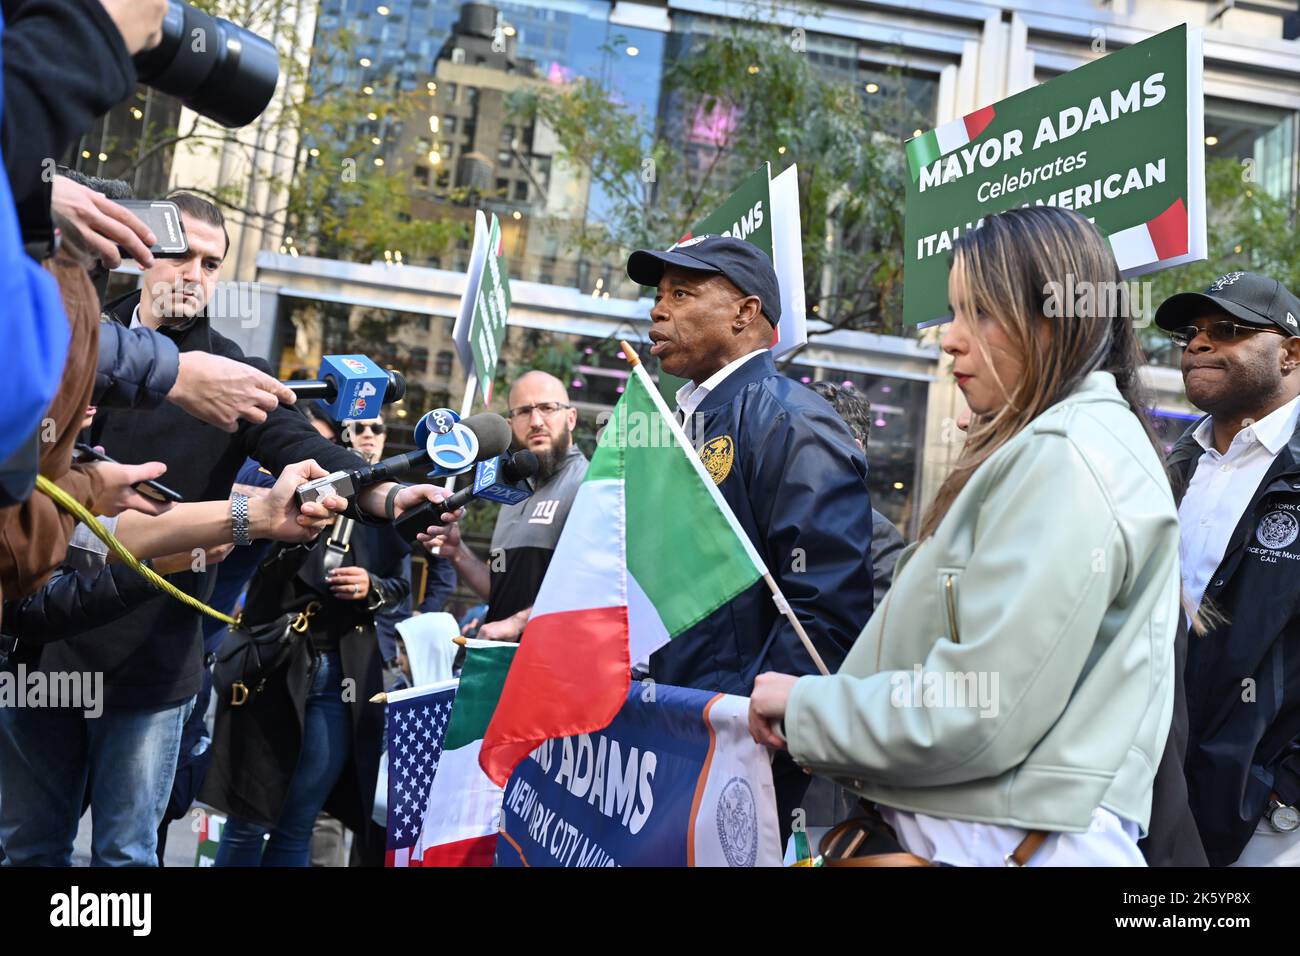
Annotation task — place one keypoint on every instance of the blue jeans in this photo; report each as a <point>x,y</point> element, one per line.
<point>48,758</point>
<point>326,745</point>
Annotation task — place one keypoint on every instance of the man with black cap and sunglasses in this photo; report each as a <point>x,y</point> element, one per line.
<point>1237,472</point>
<point>784,461</point>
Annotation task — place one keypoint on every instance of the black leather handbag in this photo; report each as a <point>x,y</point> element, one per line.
<point>273,620</point>
<point>251,653</point>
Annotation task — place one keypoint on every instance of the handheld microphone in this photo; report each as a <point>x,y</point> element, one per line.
<point>452,452</point>
<point>351,386</point>
<point>478,437</point>
<point>496,479</point>
<point>437,422</point>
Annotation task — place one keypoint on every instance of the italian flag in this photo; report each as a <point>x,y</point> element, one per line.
<point>464,809</point>
<point>924,150</point>
<point>650,548</point>
<point>1163,237</point>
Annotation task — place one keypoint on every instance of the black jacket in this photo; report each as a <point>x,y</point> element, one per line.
<point>255,747</point>
<point>797,483</point>
<point>70,603</point>
<point>137,367</point>
<point>65,64</point>
<point>1173,838</point>
<point>154,655</point>
<point>1243,677</point>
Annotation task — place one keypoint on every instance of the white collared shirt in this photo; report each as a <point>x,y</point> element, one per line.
<point>1110,840</point>
<point>135,318</point>
<point>690,396</point>
<point>1220,489</point>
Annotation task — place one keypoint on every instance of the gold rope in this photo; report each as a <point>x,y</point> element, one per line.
<point>74,508</point>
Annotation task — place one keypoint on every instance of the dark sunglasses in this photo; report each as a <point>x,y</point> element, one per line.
<point>1223,330</point>
<point>375,429</point>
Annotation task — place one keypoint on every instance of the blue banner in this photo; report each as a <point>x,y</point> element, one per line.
<point>674,780</point>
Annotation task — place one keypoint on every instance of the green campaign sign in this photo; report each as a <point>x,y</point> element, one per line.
<point>487,327</point>
<point>746,213</point>
<point>1120,140</point>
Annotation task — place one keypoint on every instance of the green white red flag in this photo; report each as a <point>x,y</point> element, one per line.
<point>650,548</point>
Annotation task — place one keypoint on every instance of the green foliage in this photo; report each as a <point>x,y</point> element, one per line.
<point>1248,230</point>
<point>341,205</point>
<point>480,520</point>
<point>852,173</point>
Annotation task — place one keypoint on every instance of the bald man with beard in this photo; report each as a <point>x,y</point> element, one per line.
<point>525,535</point>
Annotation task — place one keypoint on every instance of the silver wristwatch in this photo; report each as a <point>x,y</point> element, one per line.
<point>1281,817</point>
<point>239,518</point>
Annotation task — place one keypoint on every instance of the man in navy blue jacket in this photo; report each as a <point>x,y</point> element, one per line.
<point>784,461</point>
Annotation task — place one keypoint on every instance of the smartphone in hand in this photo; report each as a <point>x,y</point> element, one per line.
<point>150,489</point>
<point>164,219</point>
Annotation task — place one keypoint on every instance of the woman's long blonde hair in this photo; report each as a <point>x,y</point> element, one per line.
<point>1014,268</point>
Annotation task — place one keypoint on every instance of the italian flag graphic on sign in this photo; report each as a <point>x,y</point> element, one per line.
<point>924,150</point>
<point>1164,237</point>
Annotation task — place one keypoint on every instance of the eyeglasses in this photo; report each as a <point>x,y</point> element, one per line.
<point>1220,331</point>
<point>375,428</point>
<point>523,413</point>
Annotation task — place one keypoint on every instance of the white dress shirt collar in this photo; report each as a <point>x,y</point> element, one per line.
<point>690,396</point>
<point>1220,489</point>
<point>1272,431</point>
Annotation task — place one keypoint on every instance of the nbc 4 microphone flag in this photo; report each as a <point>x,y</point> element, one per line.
<point>415,727</point>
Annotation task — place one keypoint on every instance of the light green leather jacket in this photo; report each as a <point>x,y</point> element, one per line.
<point>1042,614</point>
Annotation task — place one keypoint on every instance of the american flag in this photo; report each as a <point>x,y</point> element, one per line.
<point>416,723</point>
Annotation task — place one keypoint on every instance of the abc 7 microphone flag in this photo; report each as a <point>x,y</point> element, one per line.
<point>451,446</point>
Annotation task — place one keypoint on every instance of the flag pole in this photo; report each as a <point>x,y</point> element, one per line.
<point>784,607</point>
<point>782,604</point>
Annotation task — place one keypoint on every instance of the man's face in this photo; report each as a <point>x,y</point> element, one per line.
<point>368,437</point>
<point>176,290</point>
<point>547,436</point>
<point>1226,377</point>
<point>691,332</point>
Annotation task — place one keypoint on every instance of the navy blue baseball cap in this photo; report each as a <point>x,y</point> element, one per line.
<point>743,263</point>
<point>1247,296</point>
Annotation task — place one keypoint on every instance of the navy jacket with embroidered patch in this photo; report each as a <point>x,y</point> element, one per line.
<point>1243,677</point>
<point>797,483</point>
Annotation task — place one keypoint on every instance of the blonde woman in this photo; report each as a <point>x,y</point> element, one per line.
<point>1018,680</point>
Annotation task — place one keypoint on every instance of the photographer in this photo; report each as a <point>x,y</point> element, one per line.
<point>51,98</point>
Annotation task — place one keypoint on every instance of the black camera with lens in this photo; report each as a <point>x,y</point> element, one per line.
<point>219,70</point>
